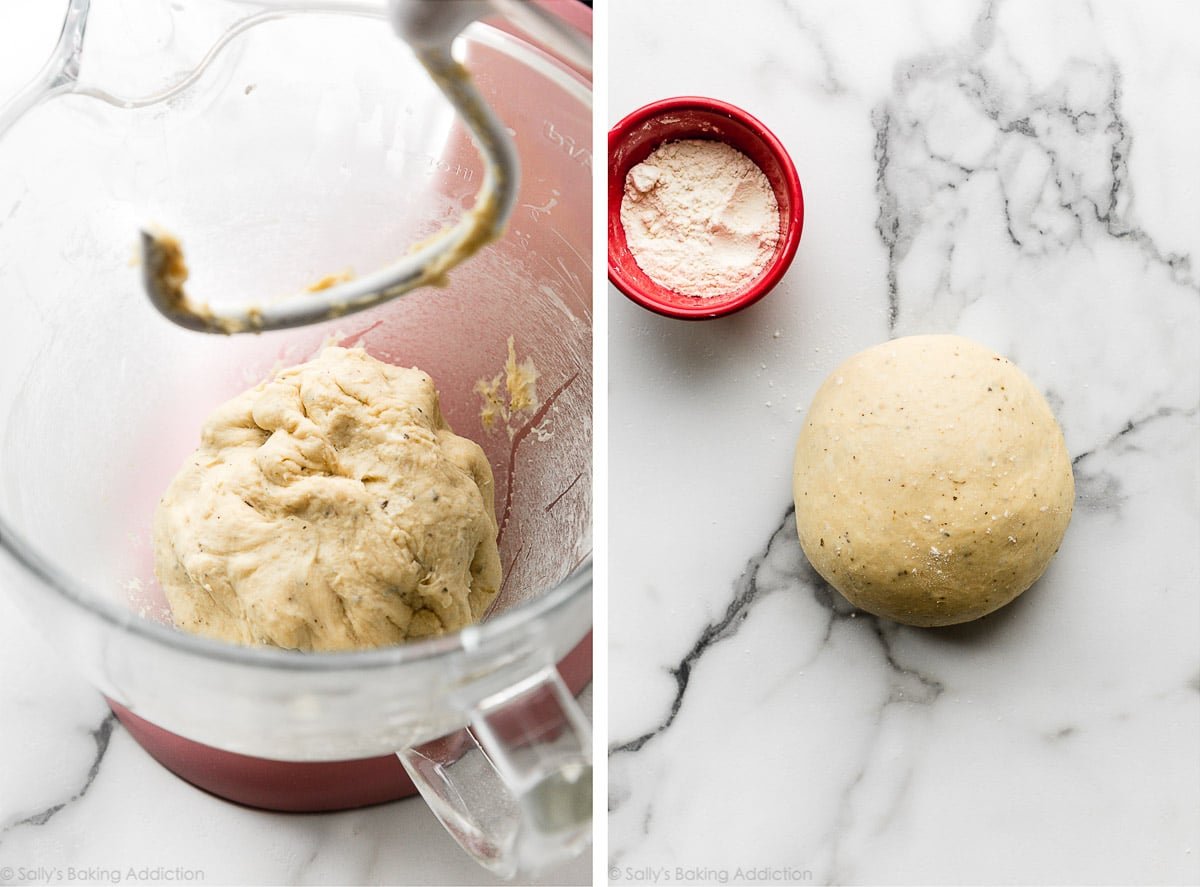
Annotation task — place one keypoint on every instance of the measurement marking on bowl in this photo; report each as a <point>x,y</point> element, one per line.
<point>436,164</point>
<point>536,212</point>
<point>581,153</point>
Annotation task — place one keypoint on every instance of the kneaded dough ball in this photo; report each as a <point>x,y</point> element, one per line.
<point>932,483</point>
<point>330,508</point>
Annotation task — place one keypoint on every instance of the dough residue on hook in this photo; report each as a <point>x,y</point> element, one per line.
<point>427,264</point>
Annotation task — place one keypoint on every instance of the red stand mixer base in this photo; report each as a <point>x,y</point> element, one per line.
<point>300,787</point>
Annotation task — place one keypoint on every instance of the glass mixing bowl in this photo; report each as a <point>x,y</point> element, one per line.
<point>284,142</point>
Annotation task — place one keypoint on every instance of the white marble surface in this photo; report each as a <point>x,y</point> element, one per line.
<point>1019,172</point>
<point>80,800</point>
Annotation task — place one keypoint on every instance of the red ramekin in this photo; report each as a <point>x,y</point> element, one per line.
<point>694,117</point>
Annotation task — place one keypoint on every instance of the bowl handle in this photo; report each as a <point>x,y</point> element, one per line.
<point>57,74</point>
<point>514,788</point>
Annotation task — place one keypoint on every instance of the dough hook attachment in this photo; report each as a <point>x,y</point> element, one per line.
<point>429,27</point>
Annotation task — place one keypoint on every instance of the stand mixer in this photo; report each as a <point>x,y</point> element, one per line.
<point>153,122</point>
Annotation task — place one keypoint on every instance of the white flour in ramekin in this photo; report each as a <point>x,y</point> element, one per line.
<point>700,218</point>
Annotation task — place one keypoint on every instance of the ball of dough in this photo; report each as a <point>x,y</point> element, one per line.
<point>932,483</point>
<point>330,508</point>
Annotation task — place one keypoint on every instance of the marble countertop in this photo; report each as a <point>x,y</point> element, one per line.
<point>1022,173</point>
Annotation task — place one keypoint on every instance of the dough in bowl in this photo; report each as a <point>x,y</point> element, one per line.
<point>330,508</point>
<point>932,482</point>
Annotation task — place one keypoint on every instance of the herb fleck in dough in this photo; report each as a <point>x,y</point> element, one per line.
<point>932,482</point>
<point>330,508</point>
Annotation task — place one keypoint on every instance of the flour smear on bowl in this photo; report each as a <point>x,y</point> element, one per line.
<point>700,218</point>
